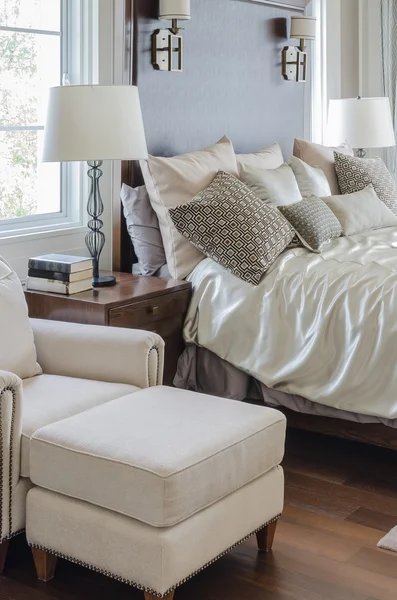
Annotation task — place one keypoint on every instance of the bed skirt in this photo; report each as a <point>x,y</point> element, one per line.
<point>203,371</point>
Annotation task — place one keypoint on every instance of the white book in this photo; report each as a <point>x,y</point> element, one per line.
<point>38,284</point>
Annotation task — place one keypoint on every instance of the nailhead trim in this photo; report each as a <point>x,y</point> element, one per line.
<point>141,587</point>
<point>153,349</point>
<point>13,393</point>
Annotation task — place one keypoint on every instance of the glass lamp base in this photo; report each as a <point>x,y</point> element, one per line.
<point>105,281</point>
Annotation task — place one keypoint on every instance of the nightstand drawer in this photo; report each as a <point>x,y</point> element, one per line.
<point>165,328</point>
<point>150,311</point>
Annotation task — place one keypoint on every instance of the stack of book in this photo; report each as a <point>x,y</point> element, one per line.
<point>60,274</point>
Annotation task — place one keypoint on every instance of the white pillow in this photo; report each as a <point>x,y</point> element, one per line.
<point>275,186</point>
<point>268,158</point>
<point>361,211</point>
<point>316,155</point>
<point>174,181</point>
<point>311,180</point>
<point>17,349</point>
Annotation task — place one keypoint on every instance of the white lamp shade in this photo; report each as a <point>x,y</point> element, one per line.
<point>94,122</point>
<point>364,123</point>
<point>174,9</point>
<point>303,28</point>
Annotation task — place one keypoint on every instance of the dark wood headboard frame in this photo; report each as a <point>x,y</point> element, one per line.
<point>123,253</point>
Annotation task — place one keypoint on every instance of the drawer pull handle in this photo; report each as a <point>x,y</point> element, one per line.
<point>154,310</point>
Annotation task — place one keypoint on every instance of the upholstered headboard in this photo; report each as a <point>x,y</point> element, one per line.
<point>231,84</point>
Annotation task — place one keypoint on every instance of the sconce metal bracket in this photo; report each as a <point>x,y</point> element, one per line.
<point>294,64</point>
<point>167,51</point>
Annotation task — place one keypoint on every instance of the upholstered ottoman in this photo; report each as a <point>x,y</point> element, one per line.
<point>151,488</point>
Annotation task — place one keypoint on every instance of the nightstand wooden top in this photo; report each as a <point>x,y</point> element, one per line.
<point>128,288</point>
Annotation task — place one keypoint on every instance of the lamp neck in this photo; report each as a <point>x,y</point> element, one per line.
<point>174,28</point>
<point>302,45</point>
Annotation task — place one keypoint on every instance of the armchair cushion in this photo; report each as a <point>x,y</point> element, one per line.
<point>17,349</point>
<point>112,354</point>
<point>51,398</point>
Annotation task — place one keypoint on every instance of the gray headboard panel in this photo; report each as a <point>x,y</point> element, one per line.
<point>231,83</point>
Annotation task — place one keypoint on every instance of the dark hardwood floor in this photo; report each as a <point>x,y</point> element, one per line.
<point>340,499</point>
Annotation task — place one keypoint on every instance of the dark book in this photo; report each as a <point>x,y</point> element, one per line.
<point>60,263</point>
<point>66,277</point>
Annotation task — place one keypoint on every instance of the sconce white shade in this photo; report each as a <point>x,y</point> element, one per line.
<point>94,122</point>
<point>303,28</point>
<point>363,122</point>
<point>174,9</point>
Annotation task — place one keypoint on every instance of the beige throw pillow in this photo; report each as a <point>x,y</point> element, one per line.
<point>17,349</point>
<point>174,181</point>
<point>316,155</point>
<point>268,158</point>
<point>311,180</point>
<point>361,211</point>
<point>274,186</point>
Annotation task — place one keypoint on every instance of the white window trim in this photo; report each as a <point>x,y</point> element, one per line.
<point>80,66</point>
<point>317,91</point>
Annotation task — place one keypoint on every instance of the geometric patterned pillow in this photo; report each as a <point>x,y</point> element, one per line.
<point>314,223</point>
<point>231,225</point>
<point>354,174</point>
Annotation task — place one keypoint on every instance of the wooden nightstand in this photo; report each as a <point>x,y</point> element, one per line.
<point>136,302</point>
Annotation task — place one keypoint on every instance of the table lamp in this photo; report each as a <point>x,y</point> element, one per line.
<point>363,122</point>
<point>94,123</point>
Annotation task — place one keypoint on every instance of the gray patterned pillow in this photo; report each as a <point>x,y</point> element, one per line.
<point>314,223</point>
<point>234,227</point>
<point>354,174</point>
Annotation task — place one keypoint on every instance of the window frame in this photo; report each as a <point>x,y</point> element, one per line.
<point>79,44</point>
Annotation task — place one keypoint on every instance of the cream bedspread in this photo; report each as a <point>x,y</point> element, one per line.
<point>323,326</point>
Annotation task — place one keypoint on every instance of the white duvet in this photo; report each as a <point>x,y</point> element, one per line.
<point>323,326</point>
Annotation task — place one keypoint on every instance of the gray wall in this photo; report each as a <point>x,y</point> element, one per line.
<point>231,83</point>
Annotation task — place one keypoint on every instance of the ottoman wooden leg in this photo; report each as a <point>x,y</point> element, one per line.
<point>151,597</point>
<point>3,554</point>
<point>45,564</point>
<point>265,537</point>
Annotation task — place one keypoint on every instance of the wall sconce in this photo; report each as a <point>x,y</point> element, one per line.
<point>295,57</point>
<point>167,44</point>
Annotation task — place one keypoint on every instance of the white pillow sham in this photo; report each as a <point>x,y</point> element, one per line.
<point>17,349</point>
<point>174,181</point>
<point>311,180</point>
<point>361,211</point>
<point>317,155</point>
<point>274,186</point>
<point>268,158</point>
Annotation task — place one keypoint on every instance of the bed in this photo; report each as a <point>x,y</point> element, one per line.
<point>266,369</point>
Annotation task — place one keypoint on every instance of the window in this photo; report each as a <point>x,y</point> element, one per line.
<point>32,49</point>
<point>43,43</point>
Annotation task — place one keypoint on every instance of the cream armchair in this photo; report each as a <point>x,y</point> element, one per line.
<point>83,366</point>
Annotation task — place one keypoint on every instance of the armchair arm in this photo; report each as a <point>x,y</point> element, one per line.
<point>10,446</point>
<point>108,354</point>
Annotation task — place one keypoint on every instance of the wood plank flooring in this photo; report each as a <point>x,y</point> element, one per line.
<point>340,499</point>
